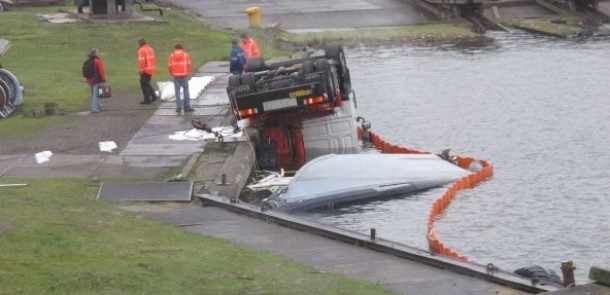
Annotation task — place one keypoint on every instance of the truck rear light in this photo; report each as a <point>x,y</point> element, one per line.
<point>315,100</point>
<point>248,112</point>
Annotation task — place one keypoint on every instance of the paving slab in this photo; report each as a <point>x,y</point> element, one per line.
<point>161,149</point>
<point>214,68</point>
<point>144,161</point>
<point>131,173</point>
<point>157,191</point>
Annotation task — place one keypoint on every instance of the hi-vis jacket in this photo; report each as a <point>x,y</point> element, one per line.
<point>250,48</point>
<point>179,63</point>
<point>146,60</point>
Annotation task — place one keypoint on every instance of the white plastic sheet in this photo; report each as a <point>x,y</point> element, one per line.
<point>196,87</point>
<point>43,157</point>
<point>196,134</point>
<point>107,146</point>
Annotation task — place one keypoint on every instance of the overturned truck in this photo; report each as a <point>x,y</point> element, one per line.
<point>299,108</point>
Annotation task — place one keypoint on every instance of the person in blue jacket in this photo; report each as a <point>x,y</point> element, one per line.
<point>238,59</point>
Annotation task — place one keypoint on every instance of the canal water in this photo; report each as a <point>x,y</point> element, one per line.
<point>537,108</point>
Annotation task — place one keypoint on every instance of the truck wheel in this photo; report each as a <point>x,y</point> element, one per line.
<point>321,65</point>
<point>250,80</point>
<point>308,67</point>
<point>333,50</point>
<point>234,81</point>
<point>255,64</point>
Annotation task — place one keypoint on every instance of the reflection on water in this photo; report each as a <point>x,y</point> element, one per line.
<point>537,108</point>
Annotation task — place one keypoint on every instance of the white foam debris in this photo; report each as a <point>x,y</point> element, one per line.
<point>43,157</point>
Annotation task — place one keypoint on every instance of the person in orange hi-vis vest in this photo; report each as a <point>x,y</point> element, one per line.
<point>179,67</point>
<point>249,46</point>
<point>146,68</point>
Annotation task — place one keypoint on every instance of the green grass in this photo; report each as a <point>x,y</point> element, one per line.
<point>56,239</point>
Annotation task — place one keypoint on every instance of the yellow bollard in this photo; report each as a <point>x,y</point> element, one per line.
<point>254,16</point>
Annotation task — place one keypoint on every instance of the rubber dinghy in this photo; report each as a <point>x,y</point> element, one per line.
<point>340,178</point>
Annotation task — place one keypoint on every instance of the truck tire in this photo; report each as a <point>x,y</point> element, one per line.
<point>321,65</point>
<point>250,80</point>
<point>308,67</point>
<point>335,51</point>
<point>255,64</point>
<point>234,81</point>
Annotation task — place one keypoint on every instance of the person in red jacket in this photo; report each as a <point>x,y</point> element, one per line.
<point>179,67</point>
<point>146,68</point>
<point>249,46</point>
<point>98,79</point>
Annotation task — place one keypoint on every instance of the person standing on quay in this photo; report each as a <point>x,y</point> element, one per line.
<point>179,67</point>
<point>238,59</point>
<point>249,46</point>
<point>96,80</point>
<point>146,68</point>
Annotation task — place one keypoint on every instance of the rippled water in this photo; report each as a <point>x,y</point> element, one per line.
<point>537,108</point>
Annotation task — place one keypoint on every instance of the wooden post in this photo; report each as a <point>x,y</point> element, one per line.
<point>567,268</point>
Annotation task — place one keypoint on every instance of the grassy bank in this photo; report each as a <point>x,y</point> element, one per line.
<point>56,239</point>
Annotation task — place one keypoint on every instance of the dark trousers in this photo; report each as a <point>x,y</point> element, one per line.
<point>147,89</point>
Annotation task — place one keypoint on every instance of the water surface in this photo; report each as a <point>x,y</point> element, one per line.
<point>537,108</point>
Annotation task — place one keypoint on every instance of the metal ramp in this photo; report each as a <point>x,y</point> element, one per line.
<point>146,192</point>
